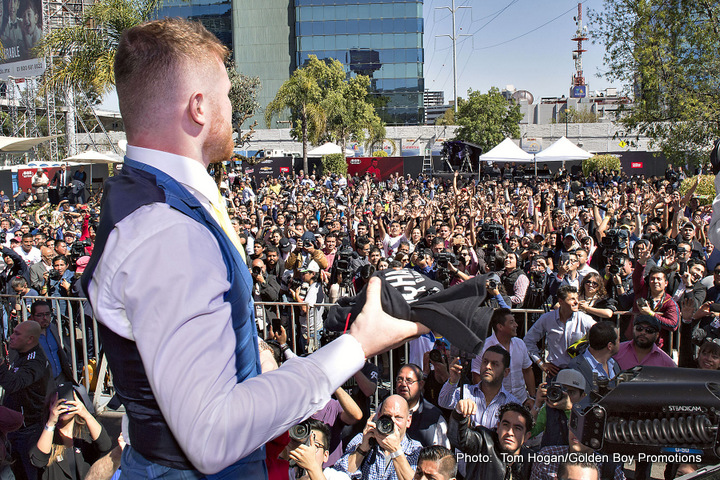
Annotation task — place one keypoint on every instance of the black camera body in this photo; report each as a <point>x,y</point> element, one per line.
<point>616,239</point>
<point>385,425</point>
<point>491,234</point>
<point>492,284</point>
<point>257,271</point>
<point>556,392</point>
<point>54,274</point>
<point>300,432</point>
<point>435,355</point>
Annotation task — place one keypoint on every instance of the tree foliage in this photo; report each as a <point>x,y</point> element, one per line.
<point>486,119</point>
<point>666,53</point>
<point>573,115</point>
<point>243,95</point>
<point>84,54</point>
<point>705,190</point>
<point>334,163</point>
<point>599,162</point>
<point>324,105</point>
<point>447,118</point>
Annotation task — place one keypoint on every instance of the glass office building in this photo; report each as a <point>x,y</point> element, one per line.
<point>382,39</point>
<point>215,15</point>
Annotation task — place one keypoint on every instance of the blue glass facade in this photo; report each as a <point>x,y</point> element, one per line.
<point>378,38</point>
<point>215,15</point>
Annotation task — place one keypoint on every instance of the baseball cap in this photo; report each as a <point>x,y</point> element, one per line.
<point>430,231</point>
<point>570,378</point>
<point>648,320</point>
<point>494,276</point>
<point>311,267</point>
<point>284,245</point>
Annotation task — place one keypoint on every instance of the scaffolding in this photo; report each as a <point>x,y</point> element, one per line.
<point>35,111</point>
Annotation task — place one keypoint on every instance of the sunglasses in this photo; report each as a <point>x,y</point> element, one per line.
<point>641,329</point>
<point>593,284</point>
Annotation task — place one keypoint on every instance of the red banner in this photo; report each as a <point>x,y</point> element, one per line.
<point>636,164</point>
<point>378,167</point>
<point>24,176</point>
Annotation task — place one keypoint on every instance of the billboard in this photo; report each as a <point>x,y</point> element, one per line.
<point>21,24</point>
<point>271,167</point>
<point>378,167</point>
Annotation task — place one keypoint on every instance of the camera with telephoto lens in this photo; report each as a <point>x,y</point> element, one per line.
<point>492,284</point>
<point>300,432</point>
<point>54,274</point>
<point>256,270</point>
<point>555,393</point>
<point>343,265</point>
<point>385,425</point>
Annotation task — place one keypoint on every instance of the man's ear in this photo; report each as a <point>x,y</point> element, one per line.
<point>197,108</point>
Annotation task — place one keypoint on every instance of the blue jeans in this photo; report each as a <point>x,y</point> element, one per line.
<point>135,466</point>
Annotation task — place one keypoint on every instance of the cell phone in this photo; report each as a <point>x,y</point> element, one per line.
<point>276,325</point>
<point>66,392</point>
<point>642,302</point>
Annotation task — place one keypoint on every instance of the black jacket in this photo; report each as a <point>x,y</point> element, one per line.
<point>484,443</point>
<point>85,452</point>
<point>25,378</point>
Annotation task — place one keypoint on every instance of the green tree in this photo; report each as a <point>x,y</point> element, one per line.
<point>302,96</point>
<point>573,115</point>
<point>447,118</point>
<point>599,162</point>
<point>486,119</point>
<point>325,105</point>
<point>84,54</point>
<point>666,55</point>
<point>243,98</point>
<point>334,163</point>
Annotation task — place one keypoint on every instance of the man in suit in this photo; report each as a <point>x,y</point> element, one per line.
<point>61,180</point>
<point>39,271</point>
<point>604,342</point>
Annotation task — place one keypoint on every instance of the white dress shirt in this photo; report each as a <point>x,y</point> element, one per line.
<point>558,335</point>
<point>160,282</point>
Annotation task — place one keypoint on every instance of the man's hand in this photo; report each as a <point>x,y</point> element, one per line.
<point>377,331</point>
<point>369,432</point>
<point>455,371</point>
<point>304,456</point>
<point>466,407</point>
<point>389,443</point>
<point>645,309</point>
<point>280,336</point>
<point>644,252</point>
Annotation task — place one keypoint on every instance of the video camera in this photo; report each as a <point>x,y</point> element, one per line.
<point>615,239</point>
<point>491,234</point>
<point>443,260</point>
<point>654,411</point>
<point>343,264</point>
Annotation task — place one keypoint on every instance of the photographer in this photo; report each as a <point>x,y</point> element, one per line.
<point>309,456</point>
<point>265,289</point>
<point>619,280</point>
<point>553,406</point>
<point>59,283</point>
<point>382,450</point>
<point>424,263</point>
<point>308,293</point>
<point>305,251</point>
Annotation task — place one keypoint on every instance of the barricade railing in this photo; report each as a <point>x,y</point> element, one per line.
<point>78,333</point>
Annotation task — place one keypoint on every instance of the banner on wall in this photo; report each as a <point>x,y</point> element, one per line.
<point>378,167</point>
<point>20,31</point>
<point>271,167</point>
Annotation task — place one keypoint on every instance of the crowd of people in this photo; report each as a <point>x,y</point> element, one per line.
<point>616,272</point>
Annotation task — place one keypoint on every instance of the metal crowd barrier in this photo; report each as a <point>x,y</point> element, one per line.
<point>89,367</point>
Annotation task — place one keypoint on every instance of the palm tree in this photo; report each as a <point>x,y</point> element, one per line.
<point>84,54</point>
<point>302,96</point>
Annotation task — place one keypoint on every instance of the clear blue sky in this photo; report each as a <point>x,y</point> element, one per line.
<point>540,62</point>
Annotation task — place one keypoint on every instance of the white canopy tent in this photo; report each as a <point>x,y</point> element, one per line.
<point>506,151</point>
<point>91,156</point>
<point>328,149</point>
<point>21,144</point>
<point>561,151</point>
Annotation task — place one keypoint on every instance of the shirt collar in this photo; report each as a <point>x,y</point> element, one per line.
<point>189,172</point>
